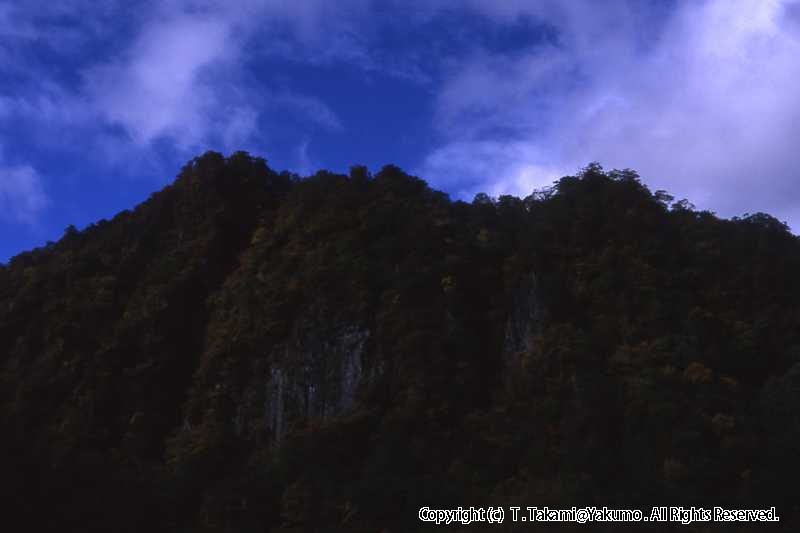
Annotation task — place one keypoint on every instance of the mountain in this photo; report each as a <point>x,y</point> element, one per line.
<point>251,351</point>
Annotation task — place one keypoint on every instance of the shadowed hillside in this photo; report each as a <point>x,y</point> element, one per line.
<point>250,351</point>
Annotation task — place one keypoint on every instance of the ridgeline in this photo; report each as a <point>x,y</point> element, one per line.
<point>251,351</point>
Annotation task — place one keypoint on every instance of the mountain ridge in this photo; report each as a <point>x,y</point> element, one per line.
<point>250,351</point>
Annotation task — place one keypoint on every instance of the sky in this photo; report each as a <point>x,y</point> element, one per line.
<point>103,101</point>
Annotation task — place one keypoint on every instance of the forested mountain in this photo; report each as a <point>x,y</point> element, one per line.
<point>251,351</point>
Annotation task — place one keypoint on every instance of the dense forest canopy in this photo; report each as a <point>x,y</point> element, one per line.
<point>252,351</point>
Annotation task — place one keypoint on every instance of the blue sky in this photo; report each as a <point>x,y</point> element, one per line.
<point>102,101</point>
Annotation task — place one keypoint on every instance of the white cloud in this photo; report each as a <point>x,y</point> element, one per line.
<point>303,164</point>
<point>22,197</point>
<point>164,86</point>
<point>466,168</point>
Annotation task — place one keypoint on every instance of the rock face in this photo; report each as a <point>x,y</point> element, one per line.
<point>313,375</point>
<point>524,323</point>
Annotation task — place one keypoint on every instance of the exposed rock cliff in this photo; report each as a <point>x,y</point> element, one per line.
<point>524,326</point>
<point>313,375</point>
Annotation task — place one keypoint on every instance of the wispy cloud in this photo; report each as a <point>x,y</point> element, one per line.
<point>162,86</point>
<point>22,196</point>
<point>303,164</point>
<point>311,108</point>
<point>176,74</point>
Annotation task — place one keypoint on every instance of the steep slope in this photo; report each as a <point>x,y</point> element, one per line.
<point>250,351</point>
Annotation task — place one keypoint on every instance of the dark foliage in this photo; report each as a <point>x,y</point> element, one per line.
<point>591,344</point>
